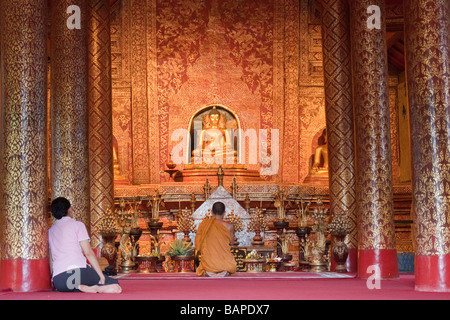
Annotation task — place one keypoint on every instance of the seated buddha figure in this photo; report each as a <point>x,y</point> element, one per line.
<point>320,165</point>
<point>214,144</point>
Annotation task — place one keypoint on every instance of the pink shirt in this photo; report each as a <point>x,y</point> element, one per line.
<point>64,239</point>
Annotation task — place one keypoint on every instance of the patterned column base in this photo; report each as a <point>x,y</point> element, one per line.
<point>25,275</point>
<point>433,273</point>
<point>385,259</point>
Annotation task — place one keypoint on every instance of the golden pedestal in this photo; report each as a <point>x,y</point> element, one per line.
<point>201,172</point>
<point>320,177</point>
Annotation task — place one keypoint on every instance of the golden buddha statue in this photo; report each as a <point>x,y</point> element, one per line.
<point>320,164</point>
<point>214,144</point>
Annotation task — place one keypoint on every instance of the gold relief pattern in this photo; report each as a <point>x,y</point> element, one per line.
<point>339,111</point>
<point>395,148</point>
<point>372,117</point>
<point>311,60</point>
<point>152,84</point>
<point>427,31</point>
<point>181,27</point>
<point>121,83</point>
<point>311,80</point>
<point>100,115</point>
<point>251,45</point>
<point>24,162</point>
<point>70,154</point>
<point>175,38</point>
<point>291,147</point>
<point>139,93</point>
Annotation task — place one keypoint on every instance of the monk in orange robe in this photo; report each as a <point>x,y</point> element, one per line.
<point>213,242</point>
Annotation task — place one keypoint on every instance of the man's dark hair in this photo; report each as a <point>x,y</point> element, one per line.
<point>218,208</point>
<point>60,207</point>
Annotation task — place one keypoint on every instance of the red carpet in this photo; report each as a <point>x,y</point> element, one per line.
<point>242,288</point>
<point>239,275</point>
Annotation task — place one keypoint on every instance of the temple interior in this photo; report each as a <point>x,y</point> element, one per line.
<point>303,116</point>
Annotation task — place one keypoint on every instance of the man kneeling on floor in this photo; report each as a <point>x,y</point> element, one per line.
<point>213,242</point>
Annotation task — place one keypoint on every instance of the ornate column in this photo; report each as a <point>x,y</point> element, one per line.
<point>70,157</point>
<point>374,189</point>
<point>24,218</point>
<point>100,115</point>
<point>427,31</point>
<point>339,114</point>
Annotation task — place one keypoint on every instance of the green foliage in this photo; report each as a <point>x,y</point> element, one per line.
<point>180,248</point>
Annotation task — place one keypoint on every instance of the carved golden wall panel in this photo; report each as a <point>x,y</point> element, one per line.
<point>311,80</point>
<point>311,60</point>
<point>291,149</point>
<point>202,53</point>
<point>139,105</point>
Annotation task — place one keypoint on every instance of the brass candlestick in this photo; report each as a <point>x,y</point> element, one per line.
<point>155,202</point>
<point>318,255</point>
<point>302,212</point>
<point>128,223</point>
<point>279,203</point>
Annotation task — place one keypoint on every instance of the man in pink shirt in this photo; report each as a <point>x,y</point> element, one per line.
<point>69,248</point>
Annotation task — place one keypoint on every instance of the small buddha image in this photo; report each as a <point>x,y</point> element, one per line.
<point>320,164</point>
<point>215,142</point>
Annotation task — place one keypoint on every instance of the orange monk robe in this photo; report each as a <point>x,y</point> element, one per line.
<point>213,242</point>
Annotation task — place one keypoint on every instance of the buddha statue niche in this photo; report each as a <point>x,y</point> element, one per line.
<point>320,164</point>
<point>214,144</point>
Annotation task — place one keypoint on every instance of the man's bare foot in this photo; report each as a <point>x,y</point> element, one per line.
<point>87,289</point>
<point>112,288</point>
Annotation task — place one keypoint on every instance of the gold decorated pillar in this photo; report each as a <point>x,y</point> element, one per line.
<point>374,187</point>
<point>427,31</point>
<point>100,115</point>
<point>339,115</point>
<point>24,218</point>
<point>69,70</point>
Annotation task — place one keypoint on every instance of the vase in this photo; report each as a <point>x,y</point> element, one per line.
<point>109,250</point>
<point>258,239</point>
<point>170,164</point>
<point>285,258</point>
<point>272,266</point>
<point>147,264</point>
<point>280,225</point>
<point>184,264</point>
<point>289,267</point>
<point>186,238</point>
<point>340,253</point>
<point>302,233</point>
